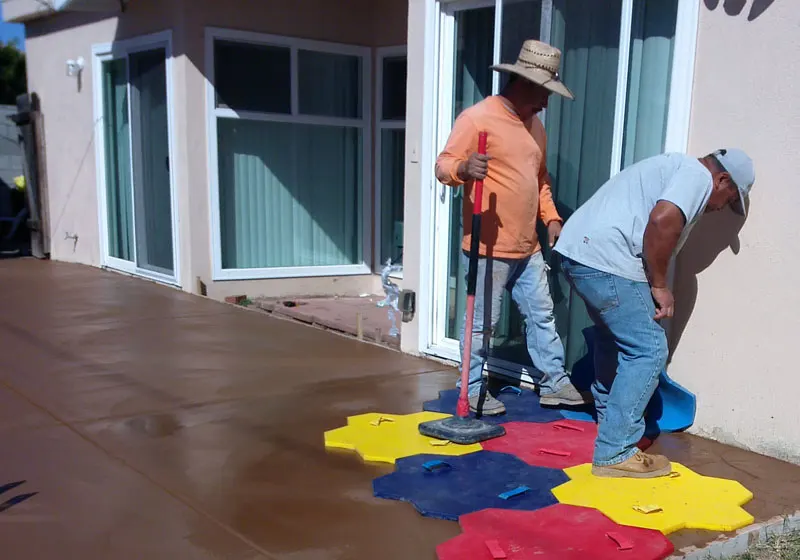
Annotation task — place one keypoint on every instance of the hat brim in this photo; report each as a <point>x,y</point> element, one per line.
<point>739,206</point>
<point>537,77</point>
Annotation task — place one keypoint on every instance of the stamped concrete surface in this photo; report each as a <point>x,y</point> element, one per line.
<point>149,423</point>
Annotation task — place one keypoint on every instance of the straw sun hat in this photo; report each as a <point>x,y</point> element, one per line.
<point>538,63</point>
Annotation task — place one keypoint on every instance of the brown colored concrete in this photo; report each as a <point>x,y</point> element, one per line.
<point>154,424</point>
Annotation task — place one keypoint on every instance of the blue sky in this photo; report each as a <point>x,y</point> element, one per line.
<point>10,31</point>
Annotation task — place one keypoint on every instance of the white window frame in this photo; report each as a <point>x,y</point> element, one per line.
<point>105,52</point>
<point>213,113</point>
<point>381,54</point>
<point>438,47</point>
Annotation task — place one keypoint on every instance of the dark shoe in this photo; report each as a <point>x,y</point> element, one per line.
<point>485,404</point>
<point>641,465</point>
<point>566,396</point>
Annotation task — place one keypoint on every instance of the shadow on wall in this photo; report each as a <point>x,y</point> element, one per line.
<point>711,236</point>
<point>735,7</point>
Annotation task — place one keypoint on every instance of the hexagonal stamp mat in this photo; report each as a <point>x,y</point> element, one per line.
<point>388,437</point>
<point>683,500</point>
<point>558,532</point>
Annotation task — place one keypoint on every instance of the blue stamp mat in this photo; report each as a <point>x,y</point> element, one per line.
<point>449,487</point>
<point>521,406</point>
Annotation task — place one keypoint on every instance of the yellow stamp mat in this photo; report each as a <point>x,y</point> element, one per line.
<point>683,500</point>
<point>387,437</point>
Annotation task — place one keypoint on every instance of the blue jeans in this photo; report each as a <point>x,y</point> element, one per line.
<point>630,353</point>
<point>526,279</point>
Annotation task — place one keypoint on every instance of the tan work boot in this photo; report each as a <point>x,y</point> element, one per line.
<point>641,465</point>
<point>566,396</point>
<point>486,405</point>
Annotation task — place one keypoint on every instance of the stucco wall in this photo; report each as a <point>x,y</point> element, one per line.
<point>738,351</point>
<point>68,114</point>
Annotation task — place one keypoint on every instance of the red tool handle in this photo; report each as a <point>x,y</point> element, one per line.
<point>476,206</point>
<point>462,409</point>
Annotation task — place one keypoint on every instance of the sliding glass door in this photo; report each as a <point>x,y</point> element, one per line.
<point>135,175</point>
<point>617,59</point>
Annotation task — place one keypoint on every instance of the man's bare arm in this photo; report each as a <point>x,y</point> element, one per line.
<point>660,239</point>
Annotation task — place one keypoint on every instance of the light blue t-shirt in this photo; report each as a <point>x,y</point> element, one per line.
<point>607,232</point>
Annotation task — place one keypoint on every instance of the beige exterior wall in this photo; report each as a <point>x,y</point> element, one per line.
<point>69,116</point>
<point>738,351</point>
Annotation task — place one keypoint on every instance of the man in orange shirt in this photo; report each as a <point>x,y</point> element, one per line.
<point>516,193</point>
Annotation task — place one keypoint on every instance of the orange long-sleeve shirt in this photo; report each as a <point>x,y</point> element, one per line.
<point>516,190</point>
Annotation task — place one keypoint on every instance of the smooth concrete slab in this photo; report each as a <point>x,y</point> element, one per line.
<point>152,355</point>
<point>57,296</point>
<point>191,431</point>
<point>89,505</point>
<point>259,466</point>
<point>156,424</point>
<point>17,413</point>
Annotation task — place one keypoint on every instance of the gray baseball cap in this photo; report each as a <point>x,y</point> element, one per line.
<point>740,167</point>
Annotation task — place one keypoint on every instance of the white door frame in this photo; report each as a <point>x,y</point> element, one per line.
<point>439,46</point>
<point>121,50</point>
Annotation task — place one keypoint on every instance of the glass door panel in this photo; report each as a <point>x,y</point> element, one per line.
<point>474,39</point>
<point>581,132</point>
<point>153,200</point>
<point>521,20</point>
<point>136,149</point>
<point>474,54</point>
<point>116,133</point>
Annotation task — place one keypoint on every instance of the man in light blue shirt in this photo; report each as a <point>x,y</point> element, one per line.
<point>616,251</point>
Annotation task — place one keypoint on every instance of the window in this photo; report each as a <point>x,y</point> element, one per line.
<point>290,153</point>
<point>253,77</point>
<point>390,152</point>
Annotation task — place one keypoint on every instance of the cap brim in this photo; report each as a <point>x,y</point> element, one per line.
<point>554,85</point>
<point>738,206</point>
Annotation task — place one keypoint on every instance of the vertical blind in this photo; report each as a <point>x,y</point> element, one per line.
<point>117,148</point>
<point>290,194</point>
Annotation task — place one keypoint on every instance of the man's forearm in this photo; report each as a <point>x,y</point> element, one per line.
<point>659,242</point>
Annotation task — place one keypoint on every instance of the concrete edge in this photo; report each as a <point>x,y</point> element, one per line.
<point>725,547</point>
<point>371,335</point>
